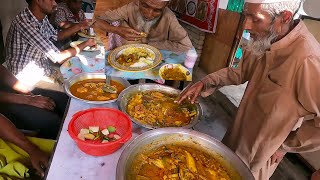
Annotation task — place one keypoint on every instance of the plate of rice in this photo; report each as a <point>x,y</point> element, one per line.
<point>135,57</point>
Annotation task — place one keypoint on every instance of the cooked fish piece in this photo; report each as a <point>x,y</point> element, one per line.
<point>82,90</point>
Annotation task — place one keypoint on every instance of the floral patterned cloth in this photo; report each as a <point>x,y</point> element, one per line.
<point>96,62</point>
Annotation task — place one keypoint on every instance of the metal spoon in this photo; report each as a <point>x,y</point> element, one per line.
<point>107,87</point>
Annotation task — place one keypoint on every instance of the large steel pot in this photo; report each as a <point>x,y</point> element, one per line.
<point>83,76</point>
<point>158,137</point>
<point>126,95</point>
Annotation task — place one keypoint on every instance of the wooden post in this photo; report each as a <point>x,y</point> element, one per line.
<point>217,46</point>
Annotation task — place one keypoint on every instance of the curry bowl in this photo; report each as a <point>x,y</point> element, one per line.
<point>135,161</point>
<point>99,78</point>
<point>175,72</point>
<point>152,106</point>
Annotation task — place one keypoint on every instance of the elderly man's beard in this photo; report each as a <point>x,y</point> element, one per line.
<point>259,46</point>
<point>144,25</point>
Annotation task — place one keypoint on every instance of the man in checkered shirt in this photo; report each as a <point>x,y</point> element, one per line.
<point>67,14</point>
<point>30,44</point>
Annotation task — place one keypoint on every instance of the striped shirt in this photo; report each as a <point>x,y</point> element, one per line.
<point>29,41</point>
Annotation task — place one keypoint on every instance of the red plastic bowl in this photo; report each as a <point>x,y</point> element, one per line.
<point>101,117</point>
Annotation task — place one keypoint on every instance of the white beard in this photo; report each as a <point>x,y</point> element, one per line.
<point>261,45</point>
<point>144,25</point>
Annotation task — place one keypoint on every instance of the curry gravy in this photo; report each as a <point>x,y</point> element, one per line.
<point>91,89</point>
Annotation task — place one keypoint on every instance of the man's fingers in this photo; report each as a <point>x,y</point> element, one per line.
<point>39,169</point>
<point>50,106</point>
<point>52,102</point>
<point>46,163</point>
<point>131,33</point>
<point>130,36</point>
<point>184,96</point>
<point>45,103</point>
<point>133,38</point>
<point>273,159</point>
<point>195,95</point>
<point>181,98</point>
<point>45,106</point>
<point>134,32</point>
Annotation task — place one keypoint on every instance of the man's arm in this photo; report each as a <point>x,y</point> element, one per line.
<point>66,54</point>
<point>32,100</point>
<point>223,77</point>
<point>70,29</point>
<point>125,32</point>
<point>307,137</point>
<point>228,76</point>
<point>105,26</point>
<point>11,81</point>
<point>10,133</point>
<point>120,14</point>
<point>47,47</point>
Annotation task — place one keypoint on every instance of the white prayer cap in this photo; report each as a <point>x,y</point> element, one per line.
<point>267,1</point>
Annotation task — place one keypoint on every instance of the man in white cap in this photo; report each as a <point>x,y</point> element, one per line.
<point>147,21</point>
<point>280,109</point>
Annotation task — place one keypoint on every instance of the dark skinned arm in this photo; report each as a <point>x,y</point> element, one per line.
<point>10,133</point>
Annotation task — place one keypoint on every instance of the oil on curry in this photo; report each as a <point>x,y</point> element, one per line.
<point>178,162</point>
<point>91,89</point>
<point>158,109</point>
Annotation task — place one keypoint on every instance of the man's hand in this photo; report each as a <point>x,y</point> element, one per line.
<point>40,102</point>
<point>129,34</point>
<point>90,42</point>
<point>39,160</point>
<point>191,93</point>
<point>83,25</point>
<point>278,156</point>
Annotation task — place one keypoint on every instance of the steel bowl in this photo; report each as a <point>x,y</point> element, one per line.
<point>186,137</point>
<point>83,76</point>
<point>126,95</point>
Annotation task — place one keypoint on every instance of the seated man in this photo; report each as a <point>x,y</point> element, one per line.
<point>40,111</point>
<point>67,14</point>
<point>147,21</point>
<point>12,157</point>
<point>29,44</point>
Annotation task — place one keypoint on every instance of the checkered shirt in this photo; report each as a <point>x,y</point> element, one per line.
<point>64,14</point>
<point>30,41</point>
